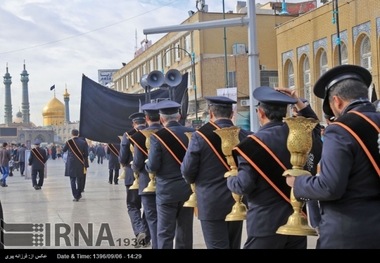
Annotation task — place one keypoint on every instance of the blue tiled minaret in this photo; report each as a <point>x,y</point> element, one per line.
<point>8,100</point>
<point>25,96</point>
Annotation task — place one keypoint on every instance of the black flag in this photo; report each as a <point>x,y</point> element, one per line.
<point>52,87</point>
<point>104,112</point>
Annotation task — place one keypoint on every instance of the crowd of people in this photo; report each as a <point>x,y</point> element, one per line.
<point>163,165</point>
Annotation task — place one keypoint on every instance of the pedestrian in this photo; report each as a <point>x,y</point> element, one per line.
<point>5,157</point>
<point>348,185</point>
<point>167,149</point>
<point>21,158</point>
<point>140,155</point>
<point>113,163</point>
<point>37,160</point>
<point>100,153</point>
<point>77,153</point>
<point>261,159</point>
<point>205,165</point>
<point>133,200</point>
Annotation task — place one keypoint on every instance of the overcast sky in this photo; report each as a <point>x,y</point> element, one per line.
<point>61,40</point>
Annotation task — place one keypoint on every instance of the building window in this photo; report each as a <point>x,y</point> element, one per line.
<point>144,69</point>
<point>291,76</point>
<point>167,57</point>
<point>189,78</point>
<point>188,44</point>
<point>126,81</point>
<point>306,79</point>
<point>177,53</point>
<point>365,53</point>
<point>323,63</point>
<point>159,62</point>
<point>151,65</point>
<point>273,82</point>
<point>232,79</point>
<point>344,53</point>
<point>138,75</point>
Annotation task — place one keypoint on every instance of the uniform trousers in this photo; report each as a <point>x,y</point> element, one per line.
<point>113,176</point>
<point>22,167</point>
<point>138,220</point>
<point>41,175</point>
<point>150,211</point>
<point>77,186</point>
<point>175,221</point>
<point>221,234</point>
<point>313,213</point>
<point>276,242</point>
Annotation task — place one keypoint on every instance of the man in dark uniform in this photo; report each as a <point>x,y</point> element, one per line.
<point>75,164</point>
<point>138,221</point>
<point>348,185</point>
<point>113,163</point>
<point>37,160</point>
<point>261,159</point>
<point>167,149</point>
<point>140,155</point>
<point>205,165</point>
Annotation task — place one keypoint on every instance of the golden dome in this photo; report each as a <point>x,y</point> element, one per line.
<point>54,108</point>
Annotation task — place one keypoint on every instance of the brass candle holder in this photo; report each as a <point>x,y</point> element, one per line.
<point>135,185</point>
<point>152,183</point>
<point>299,144</point>
<point>192,202</point>
<point>122,175</point>
<point>230,138</point>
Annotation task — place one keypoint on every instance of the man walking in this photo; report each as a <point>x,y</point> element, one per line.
<point>167,149</point>
<point>37,160</point>
<point>205,165</point>
<point>75,165</point>
<point>21,158</point>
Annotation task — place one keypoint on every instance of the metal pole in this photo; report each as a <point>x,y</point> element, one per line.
<point>243,21</point>
<point>225,50</point>
<point>253,56</point>
<point>336,20</point>
<point>253,64</point>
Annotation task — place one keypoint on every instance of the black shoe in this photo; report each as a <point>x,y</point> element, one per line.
<point>4,185</point>
<point>35,187</point>
<point>75,200</point>
<point>109,182</point>
<point>140,238</point>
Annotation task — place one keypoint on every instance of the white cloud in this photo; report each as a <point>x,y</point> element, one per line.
<point>61,40</point>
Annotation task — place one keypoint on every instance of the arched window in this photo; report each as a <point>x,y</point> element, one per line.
<point>323,63</point>
<point>291,76</point>
<point>306,79</point>
<point>344,52</point>
<point>365,53</point>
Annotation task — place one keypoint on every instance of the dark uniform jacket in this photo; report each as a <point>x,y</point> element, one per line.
<point>126,157</point>
<point>348,188</point>
<point>139,164</point>
<point>170,186</point>
<point>35,162</point>
<point>202,167</point>
<point>74,167</point>
<point>113,160</point>
<point>267,209</point>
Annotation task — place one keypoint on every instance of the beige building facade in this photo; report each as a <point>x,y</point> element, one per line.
<point>307,46</point>
<point>207,70</point>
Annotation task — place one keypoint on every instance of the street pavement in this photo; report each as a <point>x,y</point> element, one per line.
<point>98,220</point>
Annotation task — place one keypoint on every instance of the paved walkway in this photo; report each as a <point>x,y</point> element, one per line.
<point>101,212</point>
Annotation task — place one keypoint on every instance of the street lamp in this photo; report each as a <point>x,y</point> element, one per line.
<point>192,56</point>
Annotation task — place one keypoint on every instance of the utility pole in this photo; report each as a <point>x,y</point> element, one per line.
<point>253,55</point>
